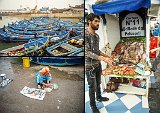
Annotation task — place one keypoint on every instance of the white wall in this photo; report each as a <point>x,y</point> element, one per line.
<point>113,30</point>
<point>109,33</point>
<point>102,32</point>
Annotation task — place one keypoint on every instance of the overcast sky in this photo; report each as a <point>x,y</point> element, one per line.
<point>90,1</point>
<point>15,4</point>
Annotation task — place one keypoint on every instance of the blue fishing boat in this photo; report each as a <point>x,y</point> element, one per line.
<point>80,52</point>
<point>33,27</point>
<point>68,47</point>
<point>57,61</point>
<point>15,37</point>
<point>78,24</point>
<point>33,47</point>
<point>78,30</point>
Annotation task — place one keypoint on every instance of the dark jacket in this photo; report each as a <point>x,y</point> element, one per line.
<point>91,49</point>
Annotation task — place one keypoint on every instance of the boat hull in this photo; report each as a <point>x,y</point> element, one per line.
<point>57,61</point>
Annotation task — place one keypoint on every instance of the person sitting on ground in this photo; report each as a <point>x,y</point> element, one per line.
<point>43,78</point>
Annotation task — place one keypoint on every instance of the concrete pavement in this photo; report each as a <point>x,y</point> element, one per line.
<point>69,98</point>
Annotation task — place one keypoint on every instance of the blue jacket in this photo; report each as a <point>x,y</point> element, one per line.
<point>41,78</point>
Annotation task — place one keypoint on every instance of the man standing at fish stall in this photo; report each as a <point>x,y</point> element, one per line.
<point>93,56</point>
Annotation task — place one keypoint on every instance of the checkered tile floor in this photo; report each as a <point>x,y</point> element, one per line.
<point>118,103</point>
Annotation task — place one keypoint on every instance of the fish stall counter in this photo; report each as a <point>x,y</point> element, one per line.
<point>130,70</point>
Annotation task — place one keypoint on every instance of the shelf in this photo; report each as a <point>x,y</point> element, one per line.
<point>129,89</point>
<point>138,76</point>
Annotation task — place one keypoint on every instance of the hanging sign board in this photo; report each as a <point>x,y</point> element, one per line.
<point>132,25</point>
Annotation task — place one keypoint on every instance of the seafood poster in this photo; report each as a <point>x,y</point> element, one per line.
<point>33,93</point>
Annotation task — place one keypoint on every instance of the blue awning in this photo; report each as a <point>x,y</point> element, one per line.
<point>117,6</point>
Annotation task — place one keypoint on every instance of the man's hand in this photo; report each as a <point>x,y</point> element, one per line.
<point>101,58</point>
<point>106,60</point>
<point>109,61</point>
<point>47,84</point>
<point>105,55</point>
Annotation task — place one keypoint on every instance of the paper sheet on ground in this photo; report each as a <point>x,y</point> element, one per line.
<point>34,93</point>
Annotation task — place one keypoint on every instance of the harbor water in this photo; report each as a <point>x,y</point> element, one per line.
<point>5,20</point>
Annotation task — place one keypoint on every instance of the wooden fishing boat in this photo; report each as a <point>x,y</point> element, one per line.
<point>58,61</point>
<point>33,47</point>
<point>78,53</point>
<point>12,51</point>
<point>67,47</point>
